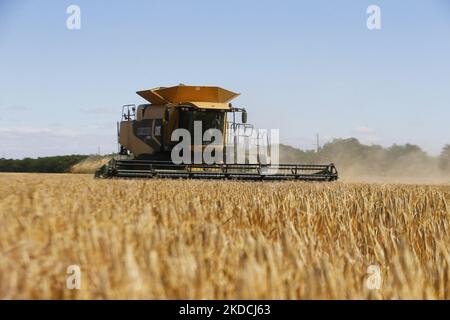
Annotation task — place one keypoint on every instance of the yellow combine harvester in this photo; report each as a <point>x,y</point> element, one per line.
<point>146,146</point>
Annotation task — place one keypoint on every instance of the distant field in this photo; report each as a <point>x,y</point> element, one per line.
<point>222,240</point>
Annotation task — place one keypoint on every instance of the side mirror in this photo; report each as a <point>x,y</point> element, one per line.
<point>166,115</point>
<point>244,117</point>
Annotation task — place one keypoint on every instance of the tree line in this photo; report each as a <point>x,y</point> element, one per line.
<point>57,164</point>
<point>350,156</point>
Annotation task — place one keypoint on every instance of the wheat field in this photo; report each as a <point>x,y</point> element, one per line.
<point>159,239</point>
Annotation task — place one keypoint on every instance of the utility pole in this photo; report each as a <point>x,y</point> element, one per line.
<point>317,143</point>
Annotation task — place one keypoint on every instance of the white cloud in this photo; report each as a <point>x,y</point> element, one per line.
<point>22,142</point>
<point>15,108</point>
<point>23,131</point>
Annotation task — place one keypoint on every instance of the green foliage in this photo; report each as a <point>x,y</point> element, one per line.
<point>58,164</point>
<point>290,154</point>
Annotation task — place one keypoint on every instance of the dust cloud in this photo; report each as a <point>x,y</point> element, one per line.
<point>362,163</point>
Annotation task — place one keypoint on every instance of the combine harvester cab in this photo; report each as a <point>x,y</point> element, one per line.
<point>146,146</point>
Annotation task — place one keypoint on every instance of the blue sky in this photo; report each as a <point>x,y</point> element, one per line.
<point>305,67</point>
